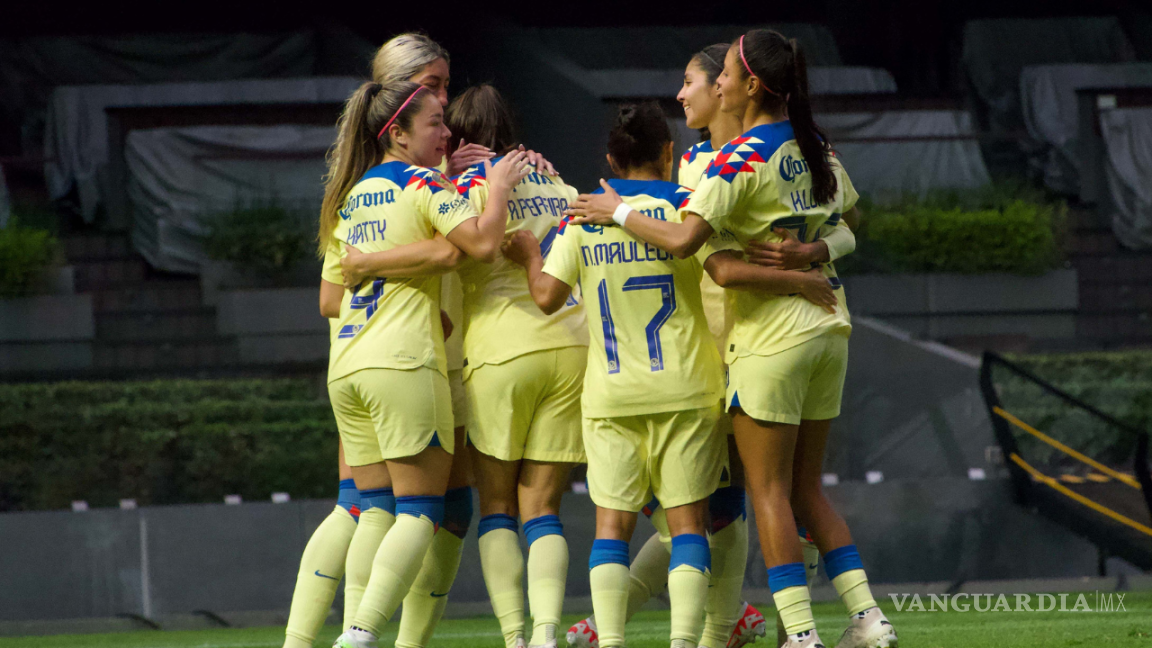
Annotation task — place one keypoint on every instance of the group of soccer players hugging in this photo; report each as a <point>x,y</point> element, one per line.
<point>477,300</point>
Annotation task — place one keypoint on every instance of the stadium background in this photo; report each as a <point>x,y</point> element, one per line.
<point>202,378</point>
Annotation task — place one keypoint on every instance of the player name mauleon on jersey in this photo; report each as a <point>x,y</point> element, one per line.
<point>622,252</point>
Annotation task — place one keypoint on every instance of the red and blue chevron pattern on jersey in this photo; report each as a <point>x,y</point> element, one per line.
<point>471,177</point>
<point>757,145</point>
<point>738,155</point>
<point>697,149</point>
<point>406,175</point>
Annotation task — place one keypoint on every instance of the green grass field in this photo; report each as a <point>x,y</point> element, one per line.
<point>649,630</point>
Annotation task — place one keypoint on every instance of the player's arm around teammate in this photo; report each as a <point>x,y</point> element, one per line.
<point>787,361</point>
<point>649,396</point>
<point>523,379</point>
<point>386,375</point>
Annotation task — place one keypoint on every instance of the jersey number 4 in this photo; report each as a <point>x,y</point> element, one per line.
<point>366,302</point>
<point>667,288</point>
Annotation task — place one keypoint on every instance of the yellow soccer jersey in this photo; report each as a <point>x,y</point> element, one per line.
<point>392,323</point>
<point>501,321</point>
<point>452,303</point>
<point>649,350</point>
<point>756,182</point>
<point>694,163</point>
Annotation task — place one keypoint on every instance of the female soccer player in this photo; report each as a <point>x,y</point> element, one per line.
<point>387,375</point>
<point>786,359</point>
<point>649,417</point>
<point>523,380</point>
<point>730,621</point>
<point>701,102</point>
<point>523,393</point>
<point>417,58</point>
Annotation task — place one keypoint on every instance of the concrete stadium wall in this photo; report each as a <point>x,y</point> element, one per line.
<point>161,561</point>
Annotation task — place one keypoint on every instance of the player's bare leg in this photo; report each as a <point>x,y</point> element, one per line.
<point>766,450</point>
<point>869,628</point>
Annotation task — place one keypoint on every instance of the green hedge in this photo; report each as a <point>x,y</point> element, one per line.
<point>164,442</point>
<point>25,253</point>
<point>1117,383</point>
<point>999,229</point>
<point>266,238</point>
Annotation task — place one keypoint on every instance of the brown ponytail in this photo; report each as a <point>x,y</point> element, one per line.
<point>360,145</point>
<point>781,67</point>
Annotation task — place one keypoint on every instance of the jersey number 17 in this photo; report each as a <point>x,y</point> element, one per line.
<point>667,288</point>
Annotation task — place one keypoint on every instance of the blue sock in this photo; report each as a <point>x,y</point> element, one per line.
<point>840,560</point>
<point>381,498</point>
<point>608,551</point>
<point>782,577</point>
<point>725,506</point>
<point>692,550</point>
<point>349,498</point>
<point>496,521</point>
<point>537,528</point>
<point>651,507</point>
<point>429,506</point>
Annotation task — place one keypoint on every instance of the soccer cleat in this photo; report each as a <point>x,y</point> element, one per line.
<point>549,638</point>
<point>869,629</point>
<point>807,639</point>
<point>355,638</point>
<point>583,634</point>
<point>749,628</point>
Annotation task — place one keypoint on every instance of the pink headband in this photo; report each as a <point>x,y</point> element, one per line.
<point>397,113</point>
<point>749,68</point>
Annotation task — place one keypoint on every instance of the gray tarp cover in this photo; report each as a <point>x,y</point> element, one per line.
<point>176,176</point>
<point>1128,141</point>
<point>76,136</point>
<point>30,68</point>
<point>1048,99</point>
<point>995,52</point>
<point>899,154</point>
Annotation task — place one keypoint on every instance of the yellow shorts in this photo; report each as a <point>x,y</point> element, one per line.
<point>459,397</point>
<point>677,456</point>
<point>805,382</point>
<point>725,421</point>
<point>528,407</point>
<point>391,413</point>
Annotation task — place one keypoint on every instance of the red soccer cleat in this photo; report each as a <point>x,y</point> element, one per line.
<point>583,634</point>
<point>749,628</point>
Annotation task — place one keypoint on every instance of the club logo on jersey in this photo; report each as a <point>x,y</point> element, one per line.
<point>737,157</point>
<point>430,178</point>
<point>791,168</point>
